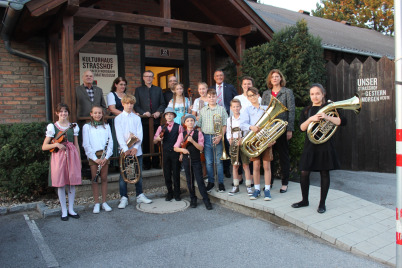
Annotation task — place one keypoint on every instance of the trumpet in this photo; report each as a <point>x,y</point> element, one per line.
<point>322,131</point>
<point>234,147</point>
<point>129,166</point>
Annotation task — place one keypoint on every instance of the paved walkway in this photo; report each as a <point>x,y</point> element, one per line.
<point>350,223</point>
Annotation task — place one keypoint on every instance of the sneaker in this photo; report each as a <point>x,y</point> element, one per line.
<point>249,191</point>
<point>235,190</point>
<point>106,207</point>
<point>123,202</point>
<point>221,188</point>
<point>210,185</point>
<point>143,199</point>
<point>96,208</point>
<point>267,195</point>
<point>255,195</point>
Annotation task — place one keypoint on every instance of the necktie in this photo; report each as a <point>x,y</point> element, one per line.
<point>220,95</point>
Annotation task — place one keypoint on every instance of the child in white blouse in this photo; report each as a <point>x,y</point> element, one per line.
<point>65,161</point>
<point>96,135</point>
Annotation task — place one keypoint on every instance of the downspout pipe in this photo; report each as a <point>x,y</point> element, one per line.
<point>10,19</point>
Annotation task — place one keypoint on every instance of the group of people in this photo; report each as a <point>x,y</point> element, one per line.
<point>188,138</point>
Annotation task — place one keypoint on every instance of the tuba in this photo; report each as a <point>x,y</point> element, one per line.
<point>129,166</point>
<point>321,131</point>
<point>270,130</point>
<point>234,148</point>
<point>217,119</point>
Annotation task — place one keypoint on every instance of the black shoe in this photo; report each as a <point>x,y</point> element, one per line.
<point>146,168</point>
<point>76,216</point>
<point>283,191</point>
<point>208,205</point>
<point>177,198</point>
<point>221,188</point>
<point>64,218</point>
<point>227,174</point>
<point>169,196</point>
<point>193,203</point>
<point>300,204</point>
<point>321,209</point>
<point>210,185</point>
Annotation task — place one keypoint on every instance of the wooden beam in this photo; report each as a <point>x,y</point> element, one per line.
<point>72,7</point>
<point>39,7</point>
<point>240,47</point>
<point>54,71</point>
<point>67,56</point>
<point>264,29</point>
<point>166,14</point>
<point>143,20</point>
<point>229,50</point>
<point>88,36</point>
<point>248,30</point>
<point>207,12</point>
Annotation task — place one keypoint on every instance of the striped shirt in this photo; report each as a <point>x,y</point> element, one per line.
<point>206,121</point>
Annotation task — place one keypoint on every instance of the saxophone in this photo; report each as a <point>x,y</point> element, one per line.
<point>321,131</point>
<point>129,166</point>
<point>271,129</point>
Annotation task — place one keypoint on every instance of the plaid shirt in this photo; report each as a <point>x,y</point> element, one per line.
<point>90,92</point>
<point>206,121</point>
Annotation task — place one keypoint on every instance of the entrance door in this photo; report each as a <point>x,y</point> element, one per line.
<point>163,79</point>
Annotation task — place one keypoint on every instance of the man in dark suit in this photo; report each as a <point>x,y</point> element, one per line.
<point>149,102</point>
<point>88,95</point>
<point>225,93</point>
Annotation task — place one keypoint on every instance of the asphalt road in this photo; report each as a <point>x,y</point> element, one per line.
<point>191,238</point>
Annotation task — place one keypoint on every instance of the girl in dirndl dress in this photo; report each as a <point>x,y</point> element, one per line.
<point>65,164</point>
<point>179,103</point>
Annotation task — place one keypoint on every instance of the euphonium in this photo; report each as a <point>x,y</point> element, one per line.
<point>217,119</point>
<point>129,166</point>
<point>234,147</point>
<point>270,130</point>
<point>321,131</point>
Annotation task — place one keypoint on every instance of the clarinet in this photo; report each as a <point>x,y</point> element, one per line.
<point>102,157</point>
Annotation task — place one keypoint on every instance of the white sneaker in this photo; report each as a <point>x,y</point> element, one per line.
<point>123,202</point>
<point>143,199</point>
<point>249,191</point>
<point>106,207</point>
<point>96,208</point>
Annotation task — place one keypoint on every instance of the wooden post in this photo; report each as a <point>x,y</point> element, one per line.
<point>210,65</point>
<point>54,72</point>
<point>240,47</point>
<point>67,56</point>
<point>166,14</point>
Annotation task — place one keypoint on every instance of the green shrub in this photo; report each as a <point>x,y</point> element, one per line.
<point>298,54</point>
<point>23,165</point>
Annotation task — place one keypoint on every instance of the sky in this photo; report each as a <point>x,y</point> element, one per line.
<point>295,5</point>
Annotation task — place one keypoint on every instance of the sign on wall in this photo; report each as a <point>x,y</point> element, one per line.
<point>370,91</point>
<point>103,66</point>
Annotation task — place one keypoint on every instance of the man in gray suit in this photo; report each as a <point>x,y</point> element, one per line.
<point>88,95</point>
<point>150,102</point>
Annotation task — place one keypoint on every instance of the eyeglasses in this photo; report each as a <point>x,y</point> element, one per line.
<point>251,96</point>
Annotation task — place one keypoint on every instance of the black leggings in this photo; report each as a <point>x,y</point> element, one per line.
<point>305,185</point>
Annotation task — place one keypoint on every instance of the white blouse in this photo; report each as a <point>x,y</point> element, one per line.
<point>50,130</point>
<point>111,99</point>
<point>196,105</point>
<point>94,139</point>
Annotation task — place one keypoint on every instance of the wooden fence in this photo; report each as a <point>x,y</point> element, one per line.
<point>367,142</point>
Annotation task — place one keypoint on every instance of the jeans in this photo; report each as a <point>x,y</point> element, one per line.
<point>138,185</point>
<point>209,158</point>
